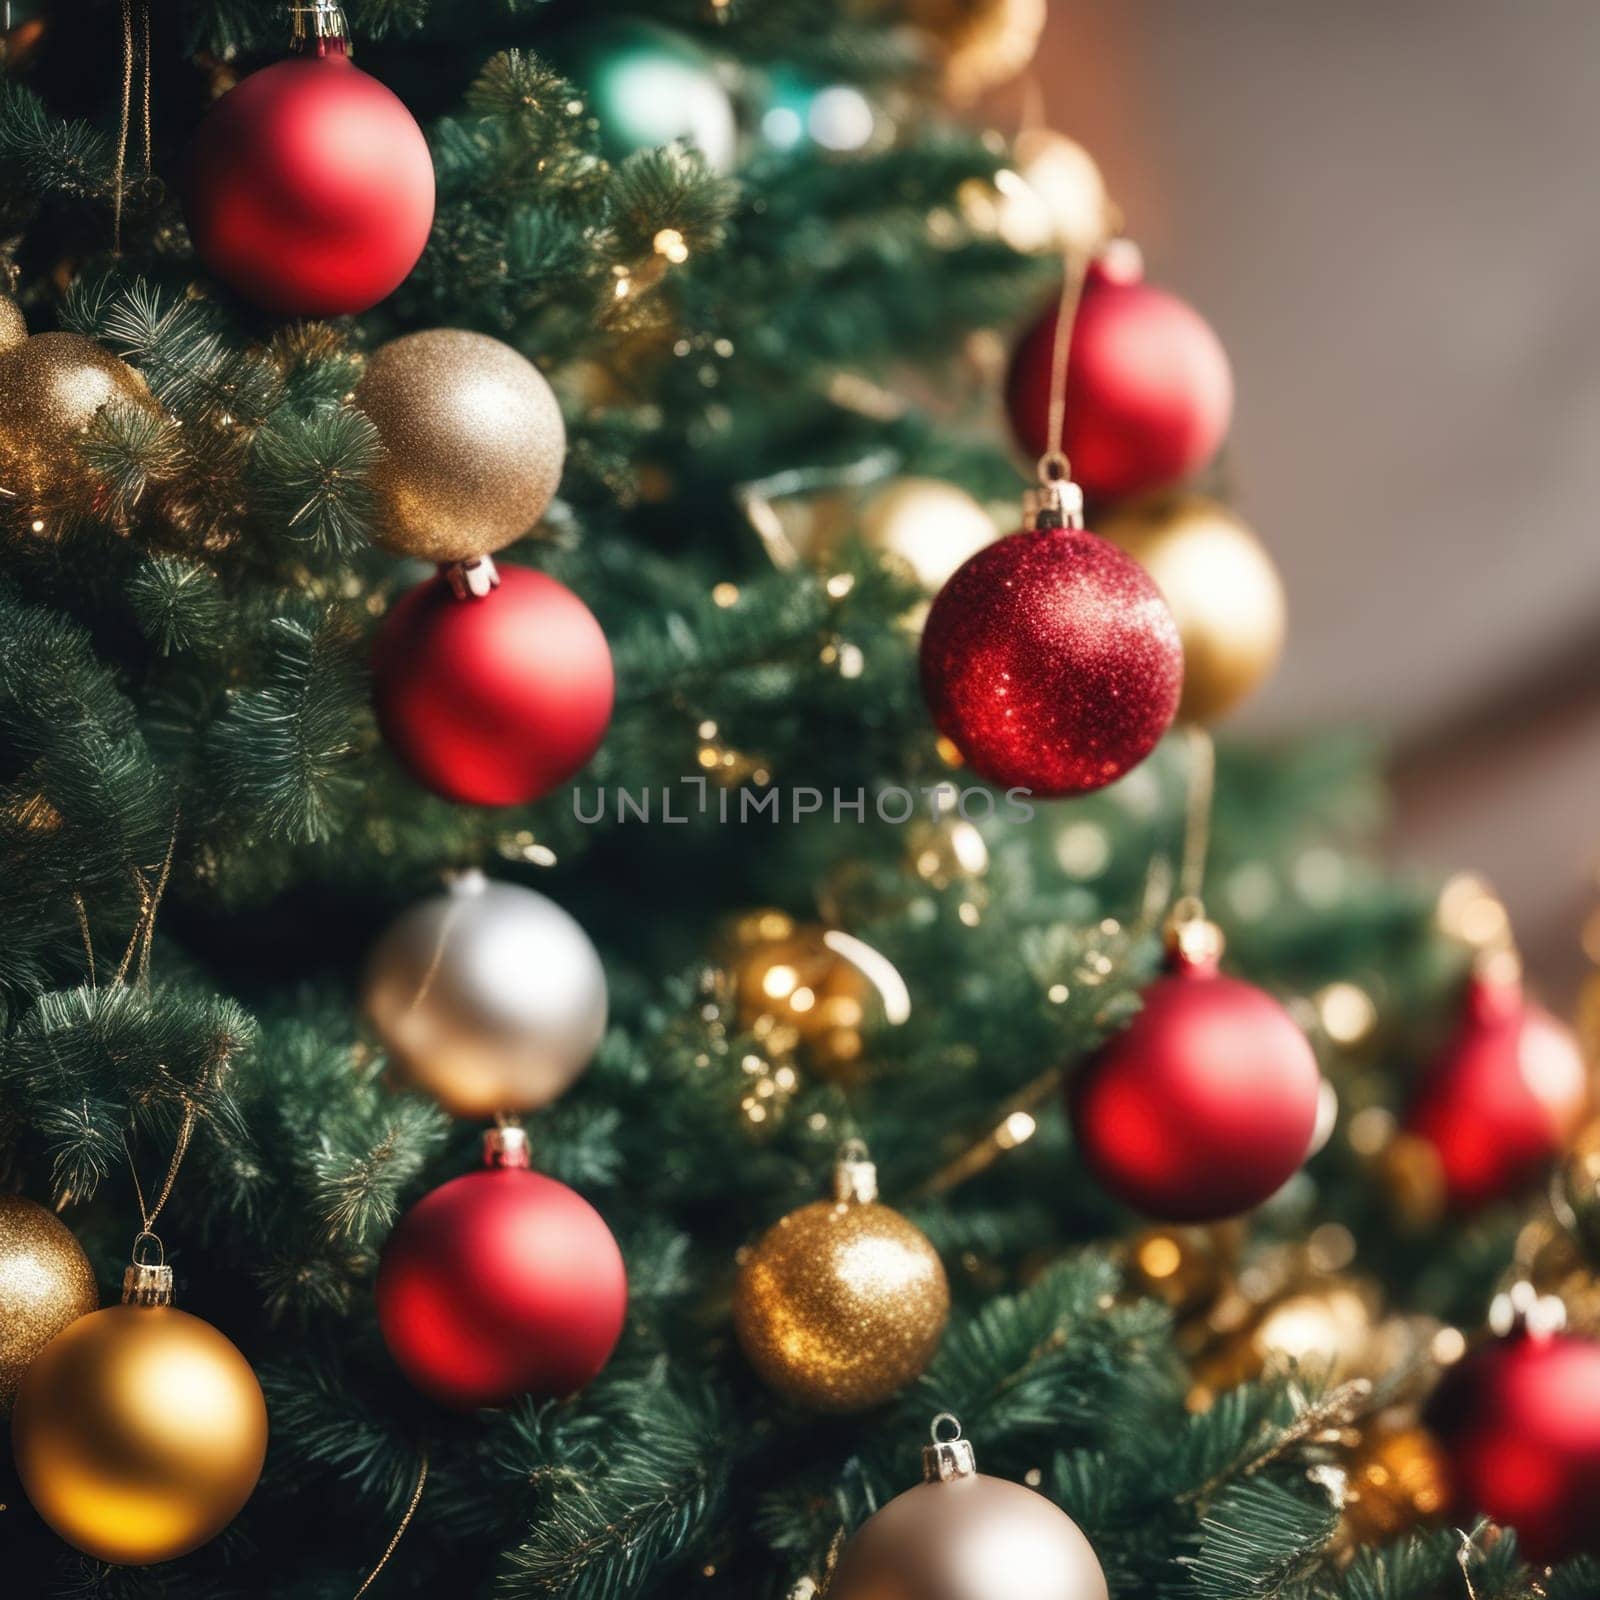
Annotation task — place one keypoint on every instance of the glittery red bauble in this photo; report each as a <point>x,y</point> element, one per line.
<point>1204,1105</point>
<point>1149,392</point>
<point>1502,1098</point>
<point>1051,661</point>
<point>1519,1420</point>
<point>495,700</point>
<point>498,1284</point>
<point>310,188</point>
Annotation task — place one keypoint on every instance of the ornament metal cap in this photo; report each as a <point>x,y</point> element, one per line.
<point>1058,501</point>
<point>319,29</point>
<point>1193,940</point>
<point>949,1456</point>
<point>506,1146</point>
<point>147,1282</point>
<point>472,580</point>
<point>855,1176</point>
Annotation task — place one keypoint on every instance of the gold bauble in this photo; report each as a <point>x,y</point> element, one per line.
<point>786,977</point>
<point>51,388</point>
<point>930,525</point>
<point>1396,1481</point>
<point>139,1433</point>
<point>986,42</point>
<point>1055,198</point>
<point>843,1302</point>
<point>1328,1329</point>
<point>13,327</point>
<point>1221,587</point>
<point>474,444</point>
<point>45,1283</point>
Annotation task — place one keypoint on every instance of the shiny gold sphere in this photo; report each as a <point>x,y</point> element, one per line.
<point>930,525</point>
<point>787,978</point>
<point>139,1433</point>
<point>1329,1329</point>
<point>474,444</point>
<point>51,387</point>
<point>974,1538</point>
<point>13,329</point>
<point>1061,202</point>
<point>986,42</point>
<point>45,1283</point>
<point>1222,588</point>
<point>841,1304</point>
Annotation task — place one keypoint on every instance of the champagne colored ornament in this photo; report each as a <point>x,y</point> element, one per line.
<point>1051,661</point>
<point>1149,392</point>
<point>1206,1104</point>
<point>310,188</point>
<point>1070,210</point>
<point>1519,1424</point>
<point>843,1302</point>
<point>489,997</point>
<point>474,443</point>
<point>986,42</point>
<point>501,1283</point>
<point>497,698</point>
<point>1221,587</point>
<point>930,525</point>
<point>45,1283</point>
<point>1505,1094</point>
<point>13,327</point>
<point>140,1431</point>
<point>960,1535</point>
<point>52,386</point>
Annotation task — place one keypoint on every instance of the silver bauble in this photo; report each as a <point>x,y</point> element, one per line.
<point>963,1536</point>
<point>490,997</point>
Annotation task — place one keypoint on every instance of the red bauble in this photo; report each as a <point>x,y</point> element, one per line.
<point>1503,1097</point>
<point>1205,1105</point>
<point>499,1284</point>
<point>494,700</point>
<point>1051,661</point>
<point>1149,392</point>
<point>310,188</point>
<point>1519,1420</point>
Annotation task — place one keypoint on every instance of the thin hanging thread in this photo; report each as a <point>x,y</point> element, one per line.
<point>1053,465</point>
<point>125,124</point>
<point>1197,818</point>
<point>149,1213</point>
<point>400,1532</point>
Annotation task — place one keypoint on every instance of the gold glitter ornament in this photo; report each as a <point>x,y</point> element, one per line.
<point>51,388</point>
<point>45,1283</point>
<point>474,443</point>
<point>140,1431</point>
<point>843,1302</point>
<point>1396,1481</point>
<point>13,328</point>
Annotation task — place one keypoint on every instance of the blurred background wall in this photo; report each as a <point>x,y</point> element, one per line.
<point>1390,214</point>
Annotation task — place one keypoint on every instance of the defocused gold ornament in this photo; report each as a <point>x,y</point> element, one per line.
<point>986,42</point>
<point>1221,587</point>
<point>843,1302</point>
<point>51,388</point>
<point>45,1283</point>
<point>1053,197</point>
<point>474,443</point>
<point>13,327</point>
<point>1186,1268</point>
<point>1395,1482</point>
<point>1328,1329</point>
<point>815,983</point>
<point>930,525</point>
<point>1413,1176</point>
<point>139,1432</point>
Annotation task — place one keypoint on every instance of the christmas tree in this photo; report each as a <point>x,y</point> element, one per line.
<point>598,952</point>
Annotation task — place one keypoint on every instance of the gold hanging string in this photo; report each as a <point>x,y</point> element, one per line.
<point>400,1532</point>
<point>149,1213</point>
<point>1197,814</point>
<point>1054,468</point>
<point>1014,1126</point>
<point>144,924</point>
<point>144,9</point>
<point>122,129</point>
<point>88,938</point>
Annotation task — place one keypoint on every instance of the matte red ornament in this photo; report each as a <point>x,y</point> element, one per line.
<point>1519,1420</point>
<point>1051,661</point>
<point>1503,1097</point>
<point>1205,1105</point>
<point>498,1284</point>
<point>310,188</point>
<point>1149,392</point>
<point>493,700</point>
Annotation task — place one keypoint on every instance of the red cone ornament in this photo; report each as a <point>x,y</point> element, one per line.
<point>310,188</point>
<point>1149,393</point>
<point>1051,661</point>
<point>1206,1104</point>
<point>1503,1097</point>
<point>501,1283</point>
<point>492,699</point>
<point>1519,1420</point>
